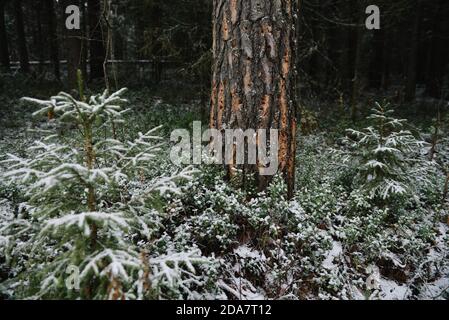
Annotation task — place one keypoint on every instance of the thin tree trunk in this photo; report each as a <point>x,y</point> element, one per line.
<point>410,89</point>
<point>97,50</point>
<point>356,80</point>
<point>139,29</point>
<point>84,41</point>
<point>40,45</point>
<point>253,74</point>
<point>377,64</point>
<point>4,48</point>
<point>385,83</point>
<point>437,52</point>
<point>52,36</point>
<point>73,49</point>
<point>21,39</point>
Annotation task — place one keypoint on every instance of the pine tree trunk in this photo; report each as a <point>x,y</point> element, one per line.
<point>357,76</point>
<point>253,73</point>
<point>437,52</point>
<point>386,65</point>
<point>84,41</point>
<point>377,64</point>
<point>50,17</point>
<point>21,39</point>
<point>97,51</point>
<point>4,48</point>
<point>73,48</point>
<point>410,88</point>
<point>39,39</point>
<point>139,30</point>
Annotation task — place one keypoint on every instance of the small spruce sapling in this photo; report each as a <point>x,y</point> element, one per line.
<point>84,215</point>
<point>385,154</point>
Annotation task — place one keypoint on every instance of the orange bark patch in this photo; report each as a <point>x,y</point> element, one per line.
<point>213,104</point>
<point>225,27</point>
<point>286,63</point>
<point>283,136</point>
<point>265,111</point>
<point>283,104</point>
<point>221,105</point>
<point>288,5</point>
<point>236,102</point>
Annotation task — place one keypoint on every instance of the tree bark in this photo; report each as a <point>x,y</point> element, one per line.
<point>38,35</point>
<point>410,88</point>
<point>139,30</point>
<point>253,74</point>
<point>357,75</point>
<point>84,40</point>
<point>50,17</point>
<point>437,52</point>
<point>377,63</point>
<point>4,48</point>
<point>21,39</point>
<point>97,52</point>
<point>73,48</point>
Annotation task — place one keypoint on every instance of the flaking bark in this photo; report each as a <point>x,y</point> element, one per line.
<point>254,73</point>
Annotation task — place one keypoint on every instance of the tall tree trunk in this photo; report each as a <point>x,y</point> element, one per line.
<point>97,52</point>
<point>410,88</point>
<point>386,65</point>
<point>437,52</point>
<point>84,40</point>
<point>50,17</point>
<point>4,48</point>
<point>377,64</point>
<point>139,30</point>
<point>253,74</point>
<point>357,76</point>
<point>21,39</point>
<point>73,48</point>
<point>317,62</point>
<point>39,38</point>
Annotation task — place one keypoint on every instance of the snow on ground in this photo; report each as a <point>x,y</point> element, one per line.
<point>436,290</point>
<point>335,252</point>
<point>391,290</point>
<point>439,289</point>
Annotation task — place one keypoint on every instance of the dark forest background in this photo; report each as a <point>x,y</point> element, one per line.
<point>151,41</point>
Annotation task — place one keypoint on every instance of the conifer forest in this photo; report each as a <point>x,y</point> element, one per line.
<point>230,150</point>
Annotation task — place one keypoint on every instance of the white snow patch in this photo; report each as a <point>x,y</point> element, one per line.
<point>335,252</point>
<point>391,290</point>
<point>245,252</point>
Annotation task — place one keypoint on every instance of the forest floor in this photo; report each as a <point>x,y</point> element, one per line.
<point>328,242</point>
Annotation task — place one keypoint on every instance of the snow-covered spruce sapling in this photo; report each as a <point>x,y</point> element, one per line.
<point>386,155</point>
<point>84,214</point>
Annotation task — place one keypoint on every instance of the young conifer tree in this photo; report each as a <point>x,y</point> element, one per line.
<point>86,228</point>
<point>386,155</point>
